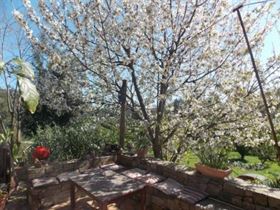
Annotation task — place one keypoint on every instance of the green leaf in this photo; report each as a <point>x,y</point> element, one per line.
<point>24,69</point>
<point>28,93</point>
<point>2,65</point>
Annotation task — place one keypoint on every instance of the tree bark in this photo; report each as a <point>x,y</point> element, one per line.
<point>122,100</point>
<point>157,148</point>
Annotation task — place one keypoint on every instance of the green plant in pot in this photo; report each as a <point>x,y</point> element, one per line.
<point>3,198</point>
<point>213,162</point>
<point>142,145</point>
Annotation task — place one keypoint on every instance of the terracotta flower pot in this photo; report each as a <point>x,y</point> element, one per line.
<point>212,172</point>
<point>3,201</point>
<point>142,152</point>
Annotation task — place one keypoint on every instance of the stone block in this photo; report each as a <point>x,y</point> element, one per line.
<point>183,205</point>
<point>248,199</point>
<point>248,206</point>
<point>127,161</point>
<point>113,167</point>
<point>260,199</point>
<point>47,202</point>
<point>213,189</point>
<point>249,193</point>
<point>171,204</point>
<point>34,173</point>
<point>152,166</point>
<point>65,186</point>
<point>274,202</point>
<point>33,200</point>
<point>84,165</point>
<point>44,182</point>
<point>21,173</point>
<point>49,191</point>
<point>64,177</point>
<point>262,208</point>
<point>70,165</point>
<point>158,201</point>
<point>236,200</point>
<point>53,169</point>
<point>233,189</point>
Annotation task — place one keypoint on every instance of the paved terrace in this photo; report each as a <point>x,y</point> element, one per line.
<point>166,186</point>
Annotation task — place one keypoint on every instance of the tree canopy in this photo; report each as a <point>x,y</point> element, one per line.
<point>191,52</point>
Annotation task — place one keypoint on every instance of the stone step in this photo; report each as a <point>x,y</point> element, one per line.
<point>213,204</point>
<point>171,187</point>
<point>88,204</point>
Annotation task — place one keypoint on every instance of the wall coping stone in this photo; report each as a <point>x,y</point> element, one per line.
<point>44,182</point>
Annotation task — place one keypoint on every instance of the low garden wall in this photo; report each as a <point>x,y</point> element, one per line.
<point>234,191</point>
<point>55,189</point>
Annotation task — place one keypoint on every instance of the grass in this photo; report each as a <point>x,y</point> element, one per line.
<point>271,169</point>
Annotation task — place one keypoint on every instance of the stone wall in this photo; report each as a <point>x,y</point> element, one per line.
<point>234,191</point>
<point>48,185</point>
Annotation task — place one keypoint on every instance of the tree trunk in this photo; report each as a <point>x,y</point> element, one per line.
<point>278,153</point>
<point>122,100</point>
<point>157,148</point>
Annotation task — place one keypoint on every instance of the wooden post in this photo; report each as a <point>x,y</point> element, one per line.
<point>5,163</point>
<point>122,100</point>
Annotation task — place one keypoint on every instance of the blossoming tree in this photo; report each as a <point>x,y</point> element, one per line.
<point>184,51</point>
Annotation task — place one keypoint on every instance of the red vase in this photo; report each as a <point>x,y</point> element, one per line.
<point>41,153</point>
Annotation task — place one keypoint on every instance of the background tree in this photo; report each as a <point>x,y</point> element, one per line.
<point>17,76</point>
<point>61,87</point>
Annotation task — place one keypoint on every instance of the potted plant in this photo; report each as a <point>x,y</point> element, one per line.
<point>3,199</point>
<point>213,163</point>
<point>142,145</point>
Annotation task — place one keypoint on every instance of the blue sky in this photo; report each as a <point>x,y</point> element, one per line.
<point>270,42</point>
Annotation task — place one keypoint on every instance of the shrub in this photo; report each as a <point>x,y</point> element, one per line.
<point>274,183</point>
<point>265,152</point>
<point>70,142</point>
<point>249,166</point>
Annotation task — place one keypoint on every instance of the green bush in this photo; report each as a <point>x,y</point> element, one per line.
<point>242,150</point>
<point>265,152</point>
<point>274,183</point>
<point>69,142</point>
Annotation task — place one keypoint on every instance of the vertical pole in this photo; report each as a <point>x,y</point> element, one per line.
<point>123,107</point>
<point>274,136</point>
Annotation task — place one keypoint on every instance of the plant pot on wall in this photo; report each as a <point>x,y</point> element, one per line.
<point>212,172</point>
<point>3,200</point>
<point>142,152</point>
